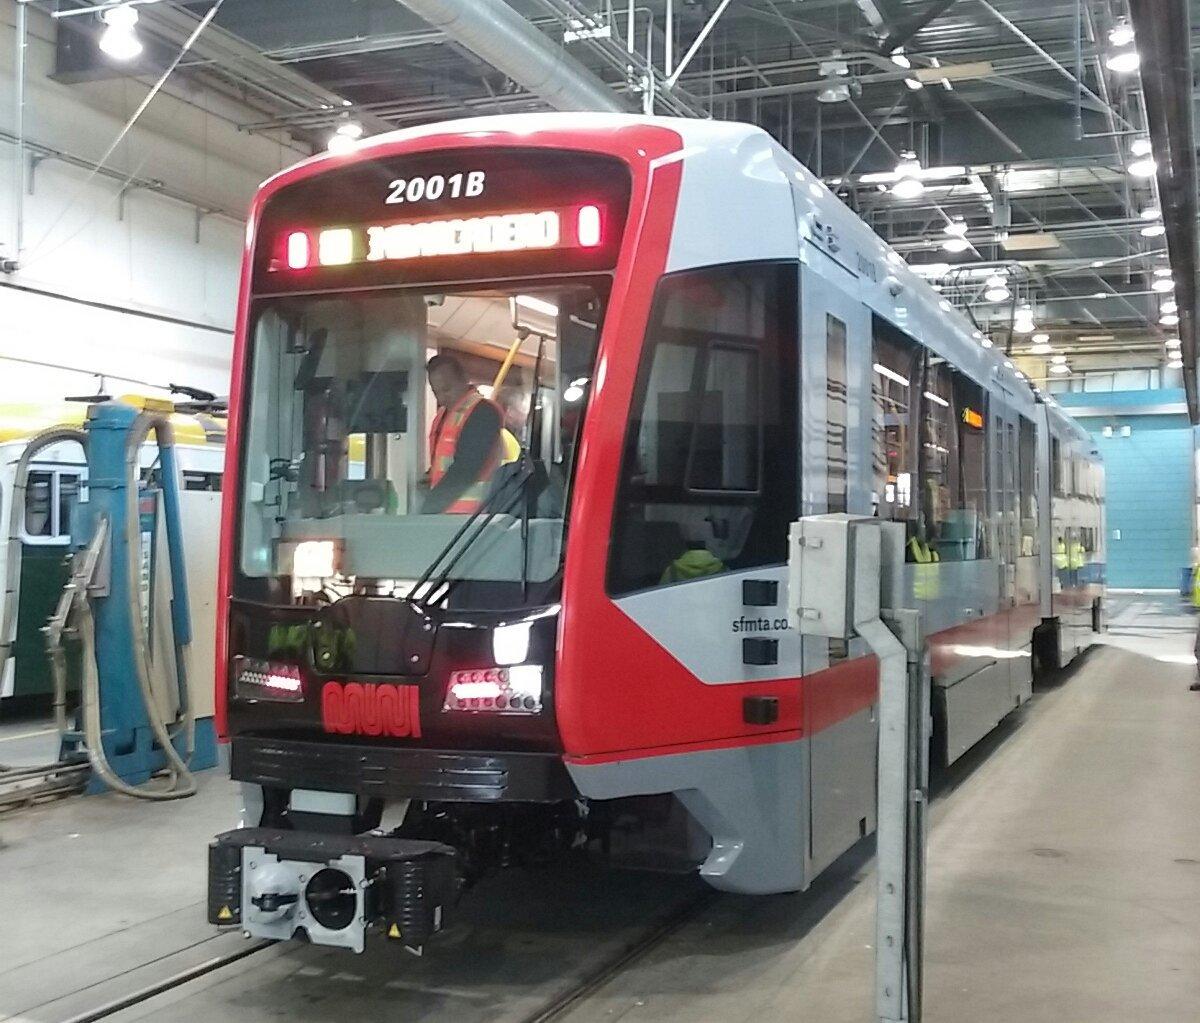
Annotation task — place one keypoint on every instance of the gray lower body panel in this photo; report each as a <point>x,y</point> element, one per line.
<point>751,800</point>
<point>776,814</point>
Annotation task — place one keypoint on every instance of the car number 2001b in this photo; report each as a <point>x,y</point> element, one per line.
<point>464,184</point>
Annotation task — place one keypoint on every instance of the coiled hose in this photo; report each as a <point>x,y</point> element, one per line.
<point>75,601</point>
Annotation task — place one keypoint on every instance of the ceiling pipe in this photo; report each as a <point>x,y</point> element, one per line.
<point>1164,41</point>
<point>497,34</point>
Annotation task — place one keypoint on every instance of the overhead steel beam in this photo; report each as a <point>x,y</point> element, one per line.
<point>903,32</point>
<point>1164,37</point>
<point>497,34</point>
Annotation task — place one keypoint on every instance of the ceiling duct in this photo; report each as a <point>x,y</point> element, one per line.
<point>496,33</point>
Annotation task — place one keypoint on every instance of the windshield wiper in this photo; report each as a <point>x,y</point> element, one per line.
<point>480,517</point>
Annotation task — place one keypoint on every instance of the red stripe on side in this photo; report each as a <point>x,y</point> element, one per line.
<point>839,692</point>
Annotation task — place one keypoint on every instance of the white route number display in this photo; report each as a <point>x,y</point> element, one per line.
<point>463,185</point>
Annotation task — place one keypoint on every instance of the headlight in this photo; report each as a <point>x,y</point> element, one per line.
<point>515,690</point>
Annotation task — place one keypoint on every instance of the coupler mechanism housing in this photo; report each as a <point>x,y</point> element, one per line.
<point>330,888</point>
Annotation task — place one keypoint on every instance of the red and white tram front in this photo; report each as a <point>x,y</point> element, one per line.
<point>394,602</point>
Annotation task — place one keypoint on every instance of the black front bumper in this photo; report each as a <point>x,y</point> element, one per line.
<point>391,772</point>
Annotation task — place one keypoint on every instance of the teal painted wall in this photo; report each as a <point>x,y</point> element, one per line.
<point>1149,484</point>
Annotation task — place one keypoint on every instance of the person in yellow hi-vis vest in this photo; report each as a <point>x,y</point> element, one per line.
<point>925,577</point>
<point>1076,559</point>
<point>1060,561</point>
<point>464,440</point>
<point>692,564</point>
<point>514,402</point>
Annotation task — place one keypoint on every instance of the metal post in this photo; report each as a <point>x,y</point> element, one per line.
<point>845,579</point>
<point>669,33</point>
<point>19,171</point>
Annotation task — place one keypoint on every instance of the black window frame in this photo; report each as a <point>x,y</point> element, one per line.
<point>782,305</point>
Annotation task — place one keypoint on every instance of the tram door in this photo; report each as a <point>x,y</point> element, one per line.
<point>1005,445</point>
<point>835,437</point>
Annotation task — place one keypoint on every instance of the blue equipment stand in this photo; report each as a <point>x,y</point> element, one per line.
<point>127,738</point>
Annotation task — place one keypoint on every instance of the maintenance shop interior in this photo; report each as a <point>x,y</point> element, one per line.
<point>590,510</point>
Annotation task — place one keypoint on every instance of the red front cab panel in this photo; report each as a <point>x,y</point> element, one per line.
<point>618,693</point>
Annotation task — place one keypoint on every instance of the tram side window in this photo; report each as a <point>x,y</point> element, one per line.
<point>963,532</point>
<point>836,414</point>
<point>50,497</point>
<point>943,528</point>
<point>709,475</point>
<point>1028,516</point>
<point>895,387</point>
<point>39,504</point>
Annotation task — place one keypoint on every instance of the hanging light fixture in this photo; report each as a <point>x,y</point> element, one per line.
<point>120,39</point>
<point>1153,231</point>
<point>914,84</point>
<point>1023,320</point>
<point>1142,167</point>
<point>956,240</point>
<point>1169,306</point>
<point>1169,319</point>
<point>1123,61</point>
<point>1150,212</point>
<point>1060,367</point>
<point>899,58</point>
<point>1163,284</point>
<point>1121,34</point>
<point>996,290</point>
<point>908,177</point>
<point>347,132</point>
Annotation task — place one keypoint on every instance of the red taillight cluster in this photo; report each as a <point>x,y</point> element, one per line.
<point>516,690</point>
<point>263,680</point>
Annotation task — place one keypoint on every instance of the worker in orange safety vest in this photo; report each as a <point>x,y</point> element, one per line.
<point>464,440</point>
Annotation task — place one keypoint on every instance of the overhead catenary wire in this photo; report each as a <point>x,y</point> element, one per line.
<point>128,127</point>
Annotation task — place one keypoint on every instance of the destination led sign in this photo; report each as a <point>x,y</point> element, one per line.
<point>446,215</point>
<point>579,228</point>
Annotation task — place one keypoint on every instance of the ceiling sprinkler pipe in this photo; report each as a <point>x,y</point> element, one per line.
<point>496,33</point>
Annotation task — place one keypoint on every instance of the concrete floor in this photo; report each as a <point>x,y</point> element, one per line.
<point>1064,874</point>
<point>1064,884</point>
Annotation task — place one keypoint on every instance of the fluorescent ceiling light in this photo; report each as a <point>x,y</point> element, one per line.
<point>1141,147</point>
<point>1163,284</point>
<point>1153,230</point>
<point>883,371</point>
<point>1169,319</point>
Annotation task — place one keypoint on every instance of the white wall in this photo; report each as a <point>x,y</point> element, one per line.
<point>138,296</point>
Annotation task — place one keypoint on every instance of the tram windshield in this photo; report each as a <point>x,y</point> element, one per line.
<point>413,442</point>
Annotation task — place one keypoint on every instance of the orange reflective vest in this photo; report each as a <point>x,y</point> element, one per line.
<point>444,432</point>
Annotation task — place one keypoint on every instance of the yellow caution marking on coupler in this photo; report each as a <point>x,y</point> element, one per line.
<point>224,913</point>
<point>393,931</point>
